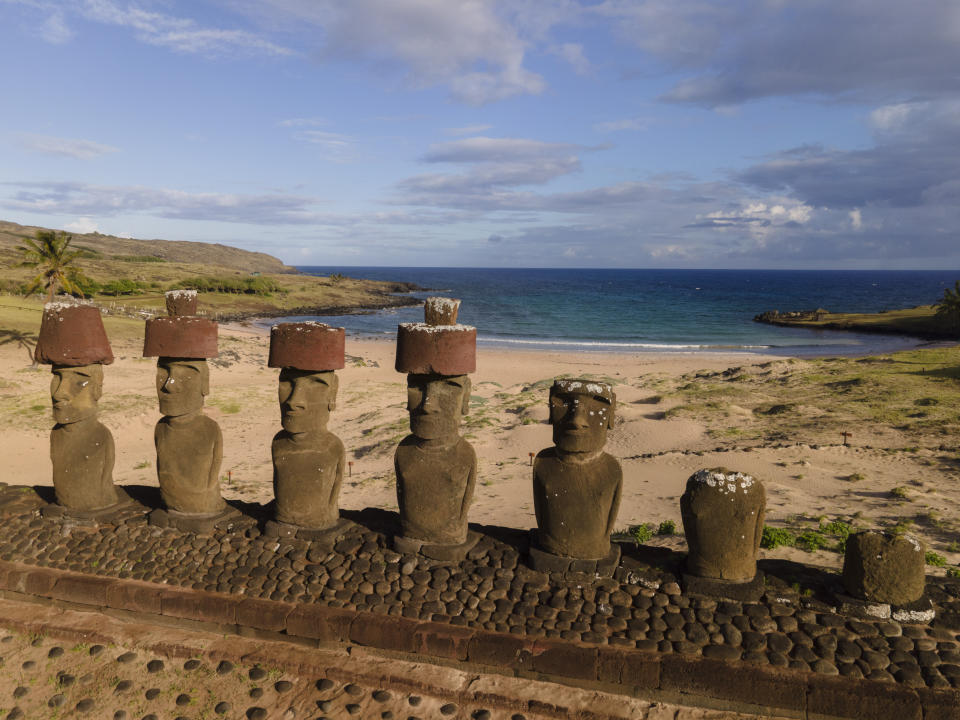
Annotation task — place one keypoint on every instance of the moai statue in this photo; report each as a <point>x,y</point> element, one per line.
<point>576,485</point>
<point>72,340</point>
<point>883,569</point>
<point>436,468</point>
<point>723,514</point>
<point>189,444</point>
<point>308,460</point>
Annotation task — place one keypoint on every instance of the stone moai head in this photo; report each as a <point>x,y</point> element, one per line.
<point>723,514</point>
<point>581,412</point>
<point>437,355</point>
<point>884,567</point>
<point>73,341</point>
<point>181,344</point>
<point>307,353</point>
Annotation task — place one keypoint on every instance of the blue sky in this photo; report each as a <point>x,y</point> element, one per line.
<point>523,133</point>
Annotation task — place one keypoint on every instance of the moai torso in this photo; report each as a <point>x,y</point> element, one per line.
<point>576,503</point>
<point>83,456</point>
<point>577,486</point>
<point>307,474</point>
<point>189,453</point>
<point>434,489</point>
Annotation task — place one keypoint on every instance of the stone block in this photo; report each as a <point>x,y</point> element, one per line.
<point>200,606</point>
<point>72,334</point>
<point>133,596</point>
<point>37,581</point>
<point>830,697</point>
<point>939,704</point>
<point>500,650</point>
<point>84,589</point>
<point>326,624</point>
<point>436,349</point>
<point>640,670</point>
<point>748,684</point>
<point>263,614</point>
<point>566,659</point>
<point>386,632</point>
<point>443,640</point>
<point>311,346</point>
<point>180,337</point>
<point>883,567</point>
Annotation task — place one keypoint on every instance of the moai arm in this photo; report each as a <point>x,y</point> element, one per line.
<point>109,458</point>
<point>615,505</point>
<point>338,478</point>
<point>471,484</point>
<point>216,457</point>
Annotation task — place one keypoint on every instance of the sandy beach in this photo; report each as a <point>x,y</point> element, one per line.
<point>808,478</point>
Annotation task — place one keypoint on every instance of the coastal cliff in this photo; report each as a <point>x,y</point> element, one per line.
<point>920,321</point>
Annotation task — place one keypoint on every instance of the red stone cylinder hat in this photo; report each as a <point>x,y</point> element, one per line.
<point>72,334</point>
<point>180,336</point>
<point>311,346</point>
<point>438,346</point>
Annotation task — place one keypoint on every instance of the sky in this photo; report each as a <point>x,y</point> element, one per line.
<point>478,133</point>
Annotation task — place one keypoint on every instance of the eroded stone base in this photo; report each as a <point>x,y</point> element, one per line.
<point>728,589</point>
<point>550,563</point>
<point>126,511</point>
<point>920,612</point>
<point>863,608</point>
<point>442,553</point>
<point>228,519</point>
<point>323,536</point>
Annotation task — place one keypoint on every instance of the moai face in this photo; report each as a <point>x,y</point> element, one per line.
<point>182,385</point>
<point>306,399</point>
<point>75,392</point>
<point>436,404</point>
<point>580,417</point>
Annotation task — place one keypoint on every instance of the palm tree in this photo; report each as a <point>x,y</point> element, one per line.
<point>50,253</point>
<point>948,309</point>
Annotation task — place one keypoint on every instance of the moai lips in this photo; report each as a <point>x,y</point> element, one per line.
<point>723,514</point>
<point>577,486</point>
<point>436,468</point>
<point>72,339</point>
<point>308,460</point>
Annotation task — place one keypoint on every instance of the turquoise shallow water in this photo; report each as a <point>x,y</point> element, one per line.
<point>653,310</point>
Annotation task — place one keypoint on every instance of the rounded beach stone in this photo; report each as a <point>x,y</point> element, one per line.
<point>181,302</point>
<point>72,334</point>
<point>883,567</point>
<point>180,337</point>
<point>310,346</point>
<point>722,514</point>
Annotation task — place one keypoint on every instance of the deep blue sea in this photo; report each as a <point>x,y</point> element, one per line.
<point>653,310</point>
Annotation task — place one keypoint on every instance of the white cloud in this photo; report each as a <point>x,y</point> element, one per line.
<point>177,33</point>
<point>65,147</point>
<point>487,149</point>
<point>55,30</point>
<point>82,225</point>
<point>572,53</point>
<point>468,130</point>
<point>635,123</point>
<point>304,122</point>
<point>856,219</point>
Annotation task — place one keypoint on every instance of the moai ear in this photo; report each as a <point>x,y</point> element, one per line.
<point>467,388</point>
<point>97,379</point>
<point>611,414</point>
<point>204,378</point>
<point>334,387</point>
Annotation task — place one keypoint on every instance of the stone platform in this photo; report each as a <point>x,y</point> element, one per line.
<point>792,651</point>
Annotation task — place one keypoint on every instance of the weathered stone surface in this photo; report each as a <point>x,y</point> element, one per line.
<point>311,346</point>
<point>308,460</point>
<point>180,337</point>
<point>436,468</point>
<point>438,346</point>
<point>81,447</point>
<point>72,334</point>
<point>884,568</point>
<point>722,514</point>
<point>180,302</point>
<point>577,486</point>
<point>189,444</point>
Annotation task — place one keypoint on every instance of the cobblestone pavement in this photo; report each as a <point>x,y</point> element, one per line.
<point>67,664</point>
<point>796,624</point>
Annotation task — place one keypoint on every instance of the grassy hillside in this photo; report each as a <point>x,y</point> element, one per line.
<point>920,321</point>
<point>130,276</point>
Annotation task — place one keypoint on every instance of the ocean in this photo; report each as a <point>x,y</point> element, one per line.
<point>651,310</point>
